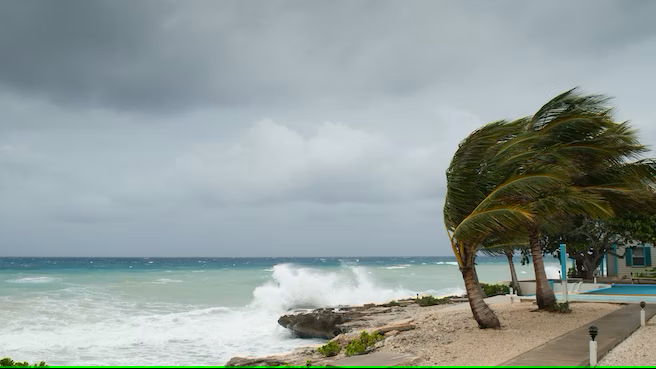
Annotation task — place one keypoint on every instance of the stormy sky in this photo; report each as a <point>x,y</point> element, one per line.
<point>279,128</point>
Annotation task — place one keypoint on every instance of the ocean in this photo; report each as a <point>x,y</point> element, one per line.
<point>197,311</point>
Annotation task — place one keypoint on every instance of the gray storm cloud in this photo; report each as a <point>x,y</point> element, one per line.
<point>278,127</point>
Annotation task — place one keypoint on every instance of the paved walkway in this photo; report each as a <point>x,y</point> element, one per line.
<point>375,359</point>
<point>572,349</point>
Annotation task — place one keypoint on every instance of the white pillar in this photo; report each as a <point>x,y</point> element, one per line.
<point>593,353</point>
<point>564,288</point>
<point>642,318</point>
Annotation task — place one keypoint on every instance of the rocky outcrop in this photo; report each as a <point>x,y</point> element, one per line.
<point>329,323</point>
<point>316,324</point>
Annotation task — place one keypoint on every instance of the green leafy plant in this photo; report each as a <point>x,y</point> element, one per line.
<point>495,289</point>
<point>430,301</point>
<point>329,349</point>
<point>358,346</point>
<point>7,362</point>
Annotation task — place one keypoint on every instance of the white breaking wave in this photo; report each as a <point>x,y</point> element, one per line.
<point>397,266</point>
<point>108,331</point>
<point>102,324</point>
<point>34,280</point>
<point>447,263</point>
<point>303,288</point>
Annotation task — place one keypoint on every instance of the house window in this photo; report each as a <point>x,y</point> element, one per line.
<point>638,256</point>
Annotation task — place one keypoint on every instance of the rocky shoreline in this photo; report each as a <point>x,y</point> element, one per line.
<point>444,334</point>
<point>341,325</point>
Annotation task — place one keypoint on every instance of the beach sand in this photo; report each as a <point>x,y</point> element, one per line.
<point>450,336</point>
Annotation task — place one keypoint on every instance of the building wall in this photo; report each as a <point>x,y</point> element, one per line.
<point>625,270</point>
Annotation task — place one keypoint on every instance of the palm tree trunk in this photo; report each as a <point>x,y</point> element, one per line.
<point>543,292</point>
<point>513,273</point>
<point>478,283</point>
<point>482,313</point>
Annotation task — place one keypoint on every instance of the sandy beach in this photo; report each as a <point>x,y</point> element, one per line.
<point>448,334</point>
<point>452,337</point>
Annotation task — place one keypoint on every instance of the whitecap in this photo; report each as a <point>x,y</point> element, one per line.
<point>34,280</point>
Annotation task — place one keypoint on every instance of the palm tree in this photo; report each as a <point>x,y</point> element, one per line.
<point>508,250</point>
<point>509,176</point>
<point>489,197</point>
<point>578,133</point>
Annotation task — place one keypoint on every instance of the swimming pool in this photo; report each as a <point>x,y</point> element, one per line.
<point>625,289</point>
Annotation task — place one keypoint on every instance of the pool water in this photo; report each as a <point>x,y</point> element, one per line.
<point>626,289</point>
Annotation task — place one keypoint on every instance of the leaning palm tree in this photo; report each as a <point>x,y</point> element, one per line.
<point>578,133</point>
<point>490,197</point>
<point>509,176</point>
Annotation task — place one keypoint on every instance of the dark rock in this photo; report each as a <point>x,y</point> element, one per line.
<point>327,323</point>
<point>320,323</point>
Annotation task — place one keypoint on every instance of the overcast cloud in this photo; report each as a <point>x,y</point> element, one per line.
<point>278,128</point>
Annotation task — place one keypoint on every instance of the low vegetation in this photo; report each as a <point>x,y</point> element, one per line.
<point>7,362</point>
<point>495,289</point>
<point>359,346</point>
<point>329,349</point>
<point>430,301</point>
<point>392,303</point>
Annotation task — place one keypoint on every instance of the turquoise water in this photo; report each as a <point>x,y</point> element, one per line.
<point>626,289</point>
<point>196,311</point>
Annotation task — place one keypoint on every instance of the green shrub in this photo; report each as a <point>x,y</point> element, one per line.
<point>329,349</point>
<point>430,301</point>
<point>7,362</point>
<point>370,339</point>
<point>495,289</point>
<point>355,347</point>
<point>392,303</point>
<point>358,346</point>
